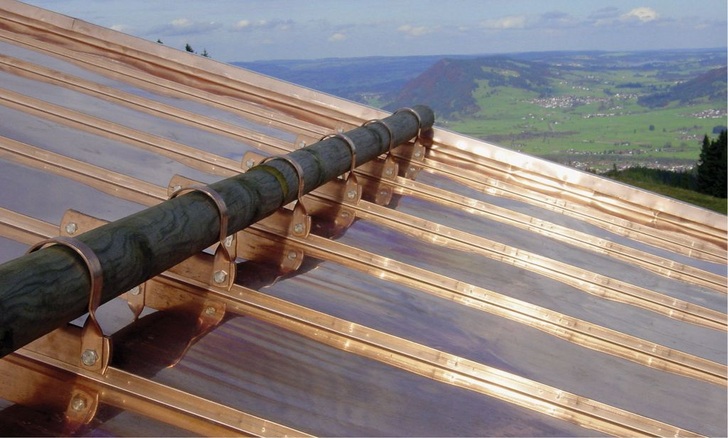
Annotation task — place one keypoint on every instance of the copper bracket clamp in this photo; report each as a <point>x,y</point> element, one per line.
<point>301,224</point>
<point>95,347</point>
<point>390,169</point>
<point>419,151</point>
<point>224,270</point>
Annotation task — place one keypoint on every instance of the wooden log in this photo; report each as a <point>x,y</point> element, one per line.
<point>44,290</point>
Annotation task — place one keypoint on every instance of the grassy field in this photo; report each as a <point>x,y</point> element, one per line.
<point>593,120</point>
<point>618,130</point>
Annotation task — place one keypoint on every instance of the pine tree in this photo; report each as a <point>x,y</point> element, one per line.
<point>189,48</point>
<point>712,167</point>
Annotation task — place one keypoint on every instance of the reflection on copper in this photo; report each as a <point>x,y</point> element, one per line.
<point>49,389</point>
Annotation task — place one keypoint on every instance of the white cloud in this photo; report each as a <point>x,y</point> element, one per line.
<point>338,36</point>
<point>509,22</point>
<point>185,26</point>
<point>413,31</point>
<point>181,22</point>
<point>122,28</point>
<point>244,24</point>
<point>641,14</point>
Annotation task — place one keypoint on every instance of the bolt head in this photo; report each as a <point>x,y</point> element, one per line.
<point>250,163</point>
<point>71,228</point>
<point>389,171</point>
<point>89,357</point>
<point>209,311</point>
<point>351,194</point>
<point>298,228</point>
<point>292,255</point>
<point>136,290</point>
<point>219,277</point>
<point>78,403</point>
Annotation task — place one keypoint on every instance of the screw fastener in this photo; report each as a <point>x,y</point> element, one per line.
<point>298,228</point>
<point>71,228</point>
<point>219,276</point>
<point>89,357</point>
<point>78,403</point>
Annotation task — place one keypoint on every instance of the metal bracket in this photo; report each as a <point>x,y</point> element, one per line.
<point>51,391</point>
<point>95,349</point>
<point>252,247</point>
<point>224,266</point>
<point>82,407</point>
<point>300,225</point>
<point>352,191</point>
<point>152,293</point>
<point>419,151</point>
<point>302,141</point>
<point>330,207</point>
<point>72,223</point>
<point>388,170</point>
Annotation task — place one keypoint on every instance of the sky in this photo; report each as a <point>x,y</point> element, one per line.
<point>251,30</point>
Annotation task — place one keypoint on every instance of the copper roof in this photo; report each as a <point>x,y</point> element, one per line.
<point>494,294</point>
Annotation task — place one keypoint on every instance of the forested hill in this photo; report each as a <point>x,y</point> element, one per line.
<point>587,109</point>
<point>449,85</point>
<point>352,78</point>
<point>457,88</point>
<point>710,85</point>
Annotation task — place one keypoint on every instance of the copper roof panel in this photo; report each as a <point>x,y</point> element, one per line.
<point>496,294</point>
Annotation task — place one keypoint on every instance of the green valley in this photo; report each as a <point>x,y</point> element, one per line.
<point>591,110</point>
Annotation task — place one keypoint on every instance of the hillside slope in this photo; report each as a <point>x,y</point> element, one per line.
<point>356,79</point>
<point>708,86</point>
<point>449,85</point>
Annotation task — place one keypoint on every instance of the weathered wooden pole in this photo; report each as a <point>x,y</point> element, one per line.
<point>44,290</point>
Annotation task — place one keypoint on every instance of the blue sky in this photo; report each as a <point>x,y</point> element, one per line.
<point>247,30</point>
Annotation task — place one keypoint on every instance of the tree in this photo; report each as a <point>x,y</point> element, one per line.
<point>189,48</point>
<point>712,167</point>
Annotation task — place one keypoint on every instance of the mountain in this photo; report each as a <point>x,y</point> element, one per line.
<point>356,79</point>
<point>449,84</point>
<point>707,86</point>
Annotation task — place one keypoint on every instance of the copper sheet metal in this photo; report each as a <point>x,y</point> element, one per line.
<point>493,283</point>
